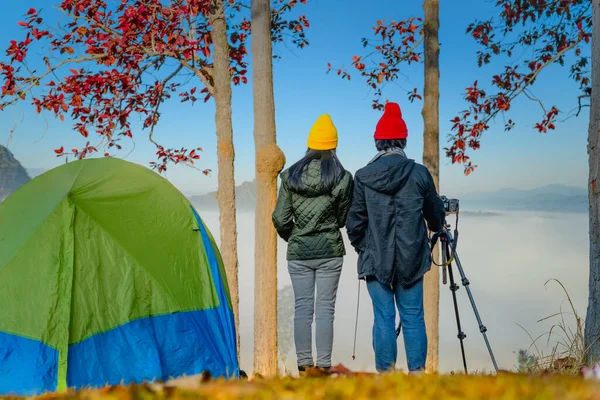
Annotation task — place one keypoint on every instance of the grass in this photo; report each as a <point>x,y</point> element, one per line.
<point>391,386</point>
<point>567,354</point>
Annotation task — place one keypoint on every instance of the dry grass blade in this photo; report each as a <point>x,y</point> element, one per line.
<point>533,341</point>
<point>567,354</point>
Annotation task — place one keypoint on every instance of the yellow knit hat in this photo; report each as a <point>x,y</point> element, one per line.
<point>323,135</point>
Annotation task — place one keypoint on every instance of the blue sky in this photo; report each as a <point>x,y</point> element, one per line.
<point>303,91</point>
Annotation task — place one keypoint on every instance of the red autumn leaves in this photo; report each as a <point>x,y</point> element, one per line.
<point>175,156</point>
<point>105,73</point>
<point>78,153</point>
<point>547,31</point>
<point>394,43</point>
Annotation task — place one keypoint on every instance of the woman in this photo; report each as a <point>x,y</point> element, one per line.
<point>312,206</point>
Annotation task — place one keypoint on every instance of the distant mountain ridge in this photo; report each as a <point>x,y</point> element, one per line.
<point>12,173</point>
<point>549,198</point>
<point>548,190</point>
<point>245,196</point>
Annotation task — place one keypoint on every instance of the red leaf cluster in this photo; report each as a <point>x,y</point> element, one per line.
<point>119,62</point>
<point>79,154</point>
<point>547,123</point>
<point>175,156</point>
<point>394,43</point>
<point>549,30</point>
<point>294,28</point>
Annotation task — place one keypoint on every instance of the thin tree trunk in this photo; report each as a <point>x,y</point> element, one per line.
<point>431,159</point>
<point>269,162</point>
<point>226,156</point>
<point>592,324</point>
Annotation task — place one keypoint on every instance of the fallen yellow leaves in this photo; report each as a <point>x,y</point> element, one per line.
<point>391,386</point>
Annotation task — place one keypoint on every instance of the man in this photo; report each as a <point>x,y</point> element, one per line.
<point>393,198</point>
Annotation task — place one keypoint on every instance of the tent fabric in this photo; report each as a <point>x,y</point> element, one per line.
<point>27,366</point>
<point>108,275</point>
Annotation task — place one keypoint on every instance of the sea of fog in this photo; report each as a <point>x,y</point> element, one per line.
<point>508,259</point>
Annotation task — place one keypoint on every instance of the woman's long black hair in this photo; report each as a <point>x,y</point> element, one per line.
<point>332,170</point>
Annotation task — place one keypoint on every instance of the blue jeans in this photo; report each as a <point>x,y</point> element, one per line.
<point>410,306</point>
<point>323,274</point>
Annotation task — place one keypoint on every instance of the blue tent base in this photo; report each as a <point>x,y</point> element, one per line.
<point>154,348</point>
<point>148,349</point>
<point>27,367</point>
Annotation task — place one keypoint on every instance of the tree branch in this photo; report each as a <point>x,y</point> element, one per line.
<point>159,100</point>
<point>529,80</point>
<point>34,80</point>
<point>198,73</point>
<point>533,98</point>
<point>154,52</point>
<point>410,52</point>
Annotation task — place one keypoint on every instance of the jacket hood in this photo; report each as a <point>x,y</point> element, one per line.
<point>388,174</point>
<point>311,184</point>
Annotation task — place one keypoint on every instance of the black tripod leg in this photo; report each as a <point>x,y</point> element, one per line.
<point>454,287</point>
<point>466,284</point>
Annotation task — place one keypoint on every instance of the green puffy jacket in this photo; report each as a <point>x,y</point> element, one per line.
<point>311,218</point>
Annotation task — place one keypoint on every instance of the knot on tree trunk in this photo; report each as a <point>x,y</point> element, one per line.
<point>270,160</point>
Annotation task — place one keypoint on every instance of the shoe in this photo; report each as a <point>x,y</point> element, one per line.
<point>323,370</point>
<point>417,372</point>
<point>303,368</point>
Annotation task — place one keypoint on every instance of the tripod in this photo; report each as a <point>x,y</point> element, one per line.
<point>449,255</point>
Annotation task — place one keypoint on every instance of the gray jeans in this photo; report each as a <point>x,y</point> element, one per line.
<point>325,275</point>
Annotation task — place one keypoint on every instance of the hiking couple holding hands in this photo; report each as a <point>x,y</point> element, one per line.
<point>387,209</point>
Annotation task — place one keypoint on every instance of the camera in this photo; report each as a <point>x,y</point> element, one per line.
<point>450,205</point>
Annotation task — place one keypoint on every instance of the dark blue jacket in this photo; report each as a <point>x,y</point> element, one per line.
<point>393,197</point>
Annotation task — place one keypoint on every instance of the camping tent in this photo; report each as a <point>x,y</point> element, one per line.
<point>108,276</point>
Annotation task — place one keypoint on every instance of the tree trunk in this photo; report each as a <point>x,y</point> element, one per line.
<point>431,159</point>
<point>226,155</point>
<point>269,162</point>
<point>592,324</point>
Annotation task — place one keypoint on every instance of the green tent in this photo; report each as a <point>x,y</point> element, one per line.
<point>108,275</point>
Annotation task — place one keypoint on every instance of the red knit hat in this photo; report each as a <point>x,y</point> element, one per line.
<point>391,126</point>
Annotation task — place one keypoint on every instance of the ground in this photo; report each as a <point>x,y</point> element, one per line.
<point>393,386</point>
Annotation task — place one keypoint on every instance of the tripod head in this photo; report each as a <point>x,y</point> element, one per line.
<point>451,206</point>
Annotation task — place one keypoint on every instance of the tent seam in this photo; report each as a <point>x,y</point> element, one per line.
<point>37,227</point>
<point>140,318</point>
<point>28,337</point>
<point>201,226</point>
